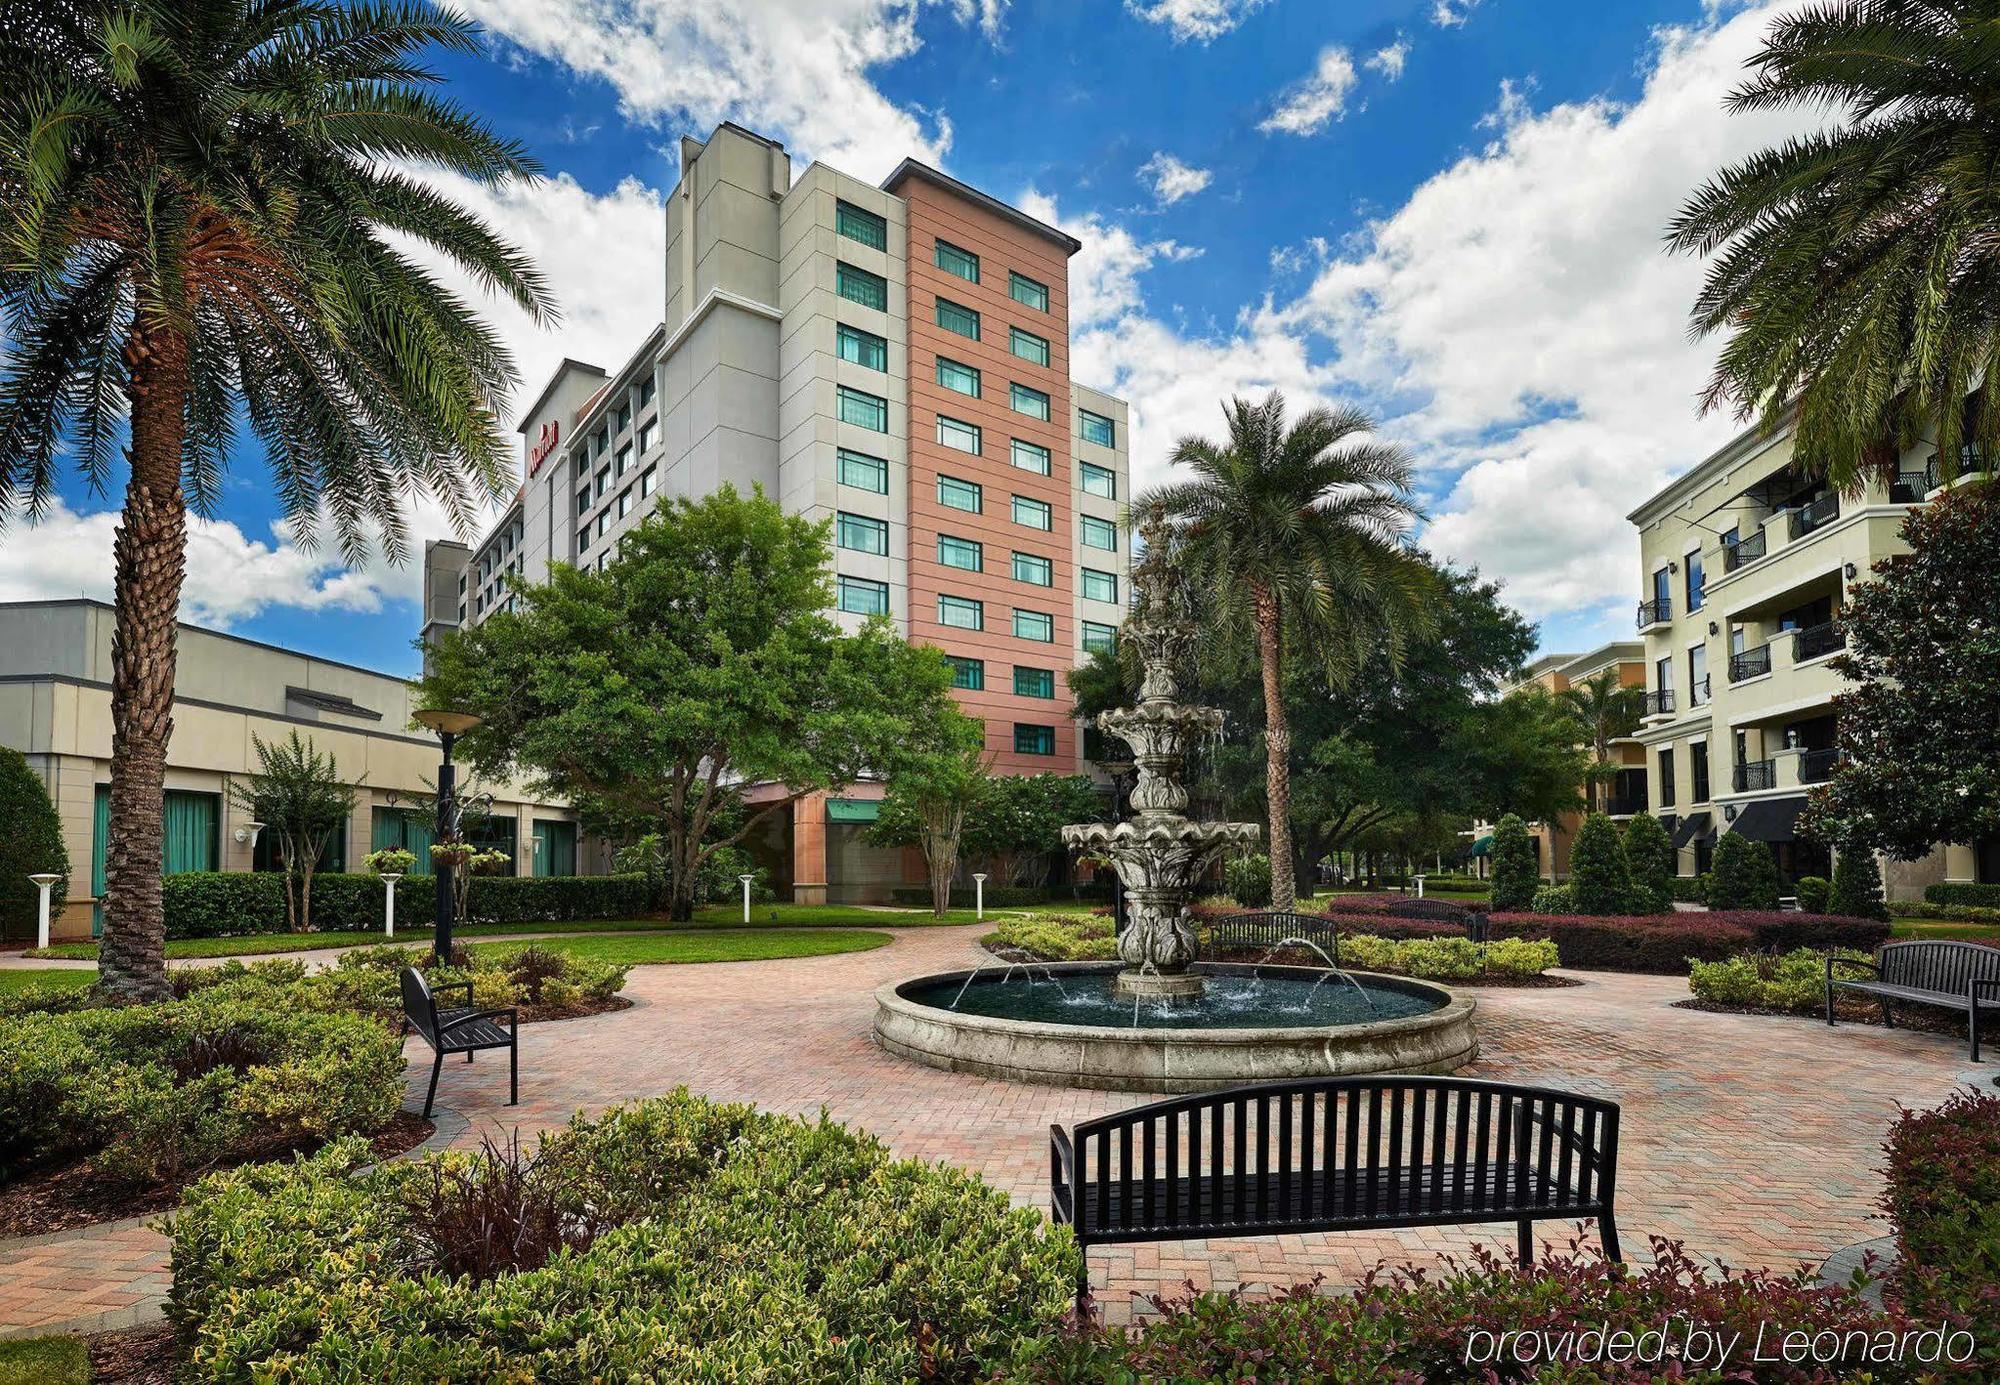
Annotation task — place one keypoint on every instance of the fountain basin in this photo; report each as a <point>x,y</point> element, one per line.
<point>1428,1030</point>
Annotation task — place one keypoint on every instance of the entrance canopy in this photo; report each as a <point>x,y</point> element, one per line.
<point>1691,827</point>
<point>1769,819</point>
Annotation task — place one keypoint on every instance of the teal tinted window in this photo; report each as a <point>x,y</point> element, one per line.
<point>864,226</point>
<point>1099,639</point>
<point>961,613</point>
<point>1031,457</point>
<point>957,433</point>
<point>1033,513</point>
<point>862,409</point>
<point>861,471</point>
<point>961,378</point>
<point>862,597</point>
<point>863,348</point>
<point>859,286</point>
<point>956,318</point>
<point>1034,682</point>
<point>1100,586</point>
<point>960,553</point>
<point>1099,533</point>
<point>1030,568</point>
<point>1022,289</point>
<point>1034,625</point>
<point>1028,346</point>
<point>1098,480</point>
<point>959,495</point>
<point>969,674</point>
<point>1096,428</point>
<point>862,534</point>
<point>1031,402</point>
<point>954,260</point>
<point>1034,740</point>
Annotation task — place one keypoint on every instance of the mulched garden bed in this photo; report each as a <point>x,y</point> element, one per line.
<point>1852,1010</point>
<point>539,1014</point>
<point>75,1194</point>
<point>136,1356</point>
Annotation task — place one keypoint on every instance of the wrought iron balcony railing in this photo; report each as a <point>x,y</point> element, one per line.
<point>1660,703</point>
<point>1747,549</point>
<point>1660,609</point>
<point>1816,515</point>
<point>1817,766</point>
<point>1750,663</point>
<point>1756,774</point>
<point>1814,641</point>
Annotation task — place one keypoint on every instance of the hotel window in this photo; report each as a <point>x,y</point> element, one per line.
<point>603,481</point>
<point>859,286</point>
<point>583,500</point>
<point>1034,625</point>
<point>861,471</point>
<point>862,534</point>
<point>861,597</point>
<point>1696,581</point>
<point>624,459</point>
<point>1663,676</point>
<point>1028,346</point>
<point>1099,639</point>
<point>961,613</point>
<point>862,348</point>
<point>1667,778</point>
<point>649,433</point>
<point>1036,571</point>
<point>625,502</point>
<point>965,554</point>
<point>953,260</point>
<point>1098,480</point>
<point>1099,533</point>
<point>863,410</point>
<point>967,674</point>
<point>1034,740</point>
<point>1697,675</point>
<point>1034,682</point>
<point>602,441</point>
<point>1022,289</point>
<point>956,433</point>
<point>624,417</point>
<point>856,224</point>
<point>962,379</point>
<point>603,522</point>
<point>645,391</point>
<point>1100,586</point>
<point>955,318</point>
<point>647,479</point>
<point>1027,401</point>
<point>1031,457</point>
<point>1036,514</point>
<point>959,495</point>
<point>1097,428</point>
<point>1698,771</point>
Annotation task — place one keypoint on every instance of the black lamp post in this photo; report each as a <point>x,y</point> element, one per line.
<point>449,727</point>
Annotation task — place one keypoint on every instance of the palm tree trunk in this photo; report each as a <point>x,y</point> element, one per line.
<point>150,561</point>
<point>1277,750</point>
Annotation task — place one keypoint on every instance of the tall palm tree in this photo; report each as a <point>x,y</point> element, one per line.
<point>202,204</point>
<point>1295,531</point>
<point>1857,270</point>
<point>1604,709</point>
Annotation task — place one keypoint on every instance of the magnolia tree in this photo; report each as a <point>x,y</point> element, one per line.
<point>937,784</point>
<point>299,797</point>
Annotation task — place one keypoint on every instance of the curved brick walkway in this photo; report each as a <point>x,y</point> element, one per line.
<point>1755,1140</point>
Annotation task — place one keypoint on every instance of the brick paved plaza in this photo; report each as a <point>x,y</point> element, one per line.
<point>1754,1140</point>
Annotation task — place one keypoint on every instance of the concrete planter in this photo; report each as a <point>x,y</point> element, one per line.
<point>1174,1060</point>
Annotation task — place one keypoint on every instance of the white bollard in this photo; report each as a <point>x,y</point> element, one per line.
<point>389,903</point>
<point>1420,887</point>
<point>44,882</point>
<point>746,879</point>
<point>979,896</point>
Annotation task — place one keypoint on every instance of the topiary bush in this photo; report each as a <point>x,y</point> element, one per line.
<point>729,1245</point>
<point>1650,853</point>
<point>31,843</point>
<point>1554,899</point>
<point>1516,874</point>
<point>1857,886</point>
<point>1745,875</point>
<point>1600,878</point>
<point>1248,879</point>
<point>1813,891</point>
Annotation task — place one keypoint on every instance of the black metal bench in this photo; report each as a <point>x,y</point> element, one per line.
<point>1269,930</point>
<point>1337,1154</point>
<point>466,1031</point>
<point>1925,971</point>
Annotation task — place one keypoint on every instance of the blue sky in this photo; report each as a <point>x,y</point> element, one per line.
<point>1447,211</point>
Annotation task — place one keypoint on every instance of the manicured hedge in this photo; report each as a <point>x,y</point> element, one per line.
<point>1400,906</point>
<point>1944,1196</point>
<point>1978,896</point>
<point>706,1242</point>
<point>1664,943</point>
<point>1000,896</point>
<point>223,903</point>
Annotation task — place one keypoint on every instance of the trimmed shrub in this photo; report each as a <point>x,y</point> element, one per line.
<point>1400,906</point>
<point>1554,899</point>
<point>1664,944</point>
<point>1963,895</point>
<point>30,844</point>
<point>1944,1196</point>
<point>1857,886</point>
<point>1650,851</point>
<point>214,904</point>
<point>1446,959</point>
<point>1745,874</point>
<point>1249,881</point>
<point>1600,878</point>
<point>997,896</point>
<point>1812,891</point>
<point>1515,871</point>
<point>1944,913</point>
<point>735,1246</point>
<point>1688,889</point>
<point>1794,981</point>
<point>1058,938</point>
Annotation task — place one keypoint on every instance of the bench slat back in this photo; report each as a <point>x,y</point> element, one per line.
<point>418,1006</point>
<point>1268,930</point>
<point>1938,965</point>
<point>1344,1150</point>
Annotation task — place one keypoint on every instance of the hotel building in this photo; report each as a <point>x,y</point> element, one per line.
<point>892,359</point>
<point>1745,567</point>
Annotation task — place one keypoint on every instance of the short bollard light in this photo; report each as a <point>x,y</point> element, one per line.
<point>44,882</point>
<point>746,879</point>
<point>1420,887</point>
<point>389,879</point>
<point>979,896</point>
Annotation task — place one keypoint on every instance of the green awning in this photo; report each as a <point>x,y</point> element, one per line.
<point>1482,847</point>
<point>853,809</point>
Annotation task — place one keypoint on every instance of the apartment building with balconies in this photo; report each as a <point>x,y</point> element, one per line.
<point>1745,566</point>
<point>894,360</point>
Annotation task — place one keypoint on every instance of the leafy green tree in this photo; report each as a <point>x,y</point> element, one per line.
<point>1650,851</point>
<point>206,209</point>
<point>699,663</point>
<point>1600,878</point>
<point>31,844</point>
<point>1744,876</point>
<point>1923,647</point>
<point>939,779</point>
<point>1516,874</point>
<point>1854,267</point>
<point>300,798</point>
<point>1295,532</point>
<point>1857,886</point>
<point>1018,819</point>
<point>1604,709</point>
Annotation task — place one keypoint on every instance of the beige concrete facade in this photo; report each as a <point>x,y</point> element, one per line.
<point>1745,566</point>
<point>55,708</point>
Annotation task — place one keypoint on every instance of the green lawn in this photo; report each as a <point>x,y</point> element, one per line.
<point>709,945</point>
<point>827,916</point>
<point>21,978</point>
<point>254,944</point>
<point>1939,928</point>
<point>44,1361</point>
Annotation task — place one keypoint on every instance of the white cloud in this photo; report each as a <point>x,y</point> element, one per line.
<point>794,69</point>
<point>1390,60</point>
<point>1308,105</point>
<point>1171,180</point>
<point>1200,20</point>
<point>1512,108</point>
<point>1450,14</point>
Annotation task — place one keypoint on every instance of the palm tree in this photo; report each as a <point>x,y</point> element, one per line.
<point>1295,531</point>
<point>1857,270</point>
<point>1605,710</point>
<point>204,203</point>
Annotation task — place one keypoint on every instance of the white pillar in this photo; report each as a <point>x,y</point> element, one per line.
<point>979,896</point>
<point>389,880</point>
<point>746,879</point>
<point>44,882</point>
